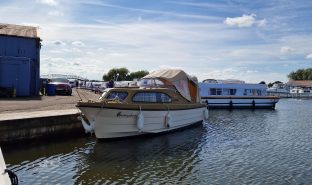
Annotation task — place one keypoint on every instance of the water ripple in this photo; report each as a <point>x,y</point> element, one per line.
<point>233,147</point>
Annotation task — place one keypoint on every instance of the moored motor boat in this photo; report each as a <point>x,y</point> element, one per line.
<point>165,100</point>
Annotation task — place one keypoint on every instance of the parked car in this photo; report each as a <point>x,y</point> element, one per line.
<point>72,83</point>
<point>62,86</point>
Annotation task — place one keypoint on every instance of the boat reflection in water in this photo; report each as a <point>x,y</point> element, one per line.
<point>165,159</point>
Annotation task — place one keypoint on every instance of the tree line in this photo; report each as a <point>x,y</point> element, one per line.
<point>301,74</point>
<point>123,74</point>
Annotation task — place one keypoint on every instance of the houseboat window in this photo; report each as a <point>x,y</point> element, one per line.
<point>215,91</point>
<point>229,91</point>
<point>252,92</point>
<point>232,91</point>
<point>151,97</point>
<point>114,94</point>
<point>248,92</point>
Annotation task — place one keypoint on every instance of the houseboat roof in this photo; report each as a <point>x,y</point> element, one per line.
<point>18,30</point>
<point>227,81</point>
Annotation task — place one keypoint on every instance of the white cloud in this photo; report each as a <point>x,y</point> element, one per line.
<point>243,21</point>
<point>76,63</point>
<point>78,44</point>
<point>48,2</point>
<point>286,50</point>
<point>90,53</point>
<point>195,46</point>
<point>55,13</point>
<point>309,56</point>
<point>169,67</point>
<point>262,23</point>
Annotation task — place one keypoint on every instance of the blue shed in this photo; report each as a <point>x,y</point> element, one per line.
<point>20,59</point>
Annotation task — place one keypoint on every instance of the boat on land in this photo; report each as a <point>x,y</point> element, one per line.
<point>163,101</point>
<point>4,177</point>
<point>235,94</point>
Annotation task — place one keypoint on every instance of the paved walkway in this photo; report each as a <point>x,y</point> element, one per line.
<point>45,103</point>
<point>36,114</point>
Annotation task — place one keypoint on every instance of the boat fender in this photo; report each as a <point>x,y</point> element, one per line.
<point>168,120</point>
<point>253,104</point>
<point>140,121</point>
<point>89,128</point>
<point>206,114</point>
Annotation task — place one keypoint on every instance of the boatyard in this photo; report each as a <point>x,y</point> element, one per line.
<point>156,92</point>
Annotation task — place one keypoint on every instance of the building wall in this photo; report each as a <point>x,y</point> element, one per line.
<point>18,50</point>
<point>15,73</point>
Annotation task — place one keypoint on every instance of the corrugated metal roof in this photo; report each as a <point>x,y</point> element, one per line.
<point>18,30</point>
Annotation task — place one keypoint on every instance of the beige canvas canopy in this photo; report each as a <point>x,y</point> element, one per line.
<point>169,74</point>
<point>179,79</point>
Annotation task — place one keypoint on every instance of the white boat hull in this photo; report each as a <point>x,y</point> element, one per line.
<point>236,102</point>
<point>4,177</point>
<point>116,123</point>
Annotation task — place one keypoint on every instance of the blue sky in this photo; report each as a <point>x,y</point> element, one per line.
<point>230,39</point>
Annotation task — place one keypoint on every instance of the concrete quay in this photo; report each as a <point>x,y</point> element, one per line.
<point>40,118</point>
<point>24,126</point>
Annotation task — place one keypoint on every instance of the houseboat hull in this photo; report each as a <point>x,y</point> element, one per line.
<point>111,122</point>
<point>261,102</point>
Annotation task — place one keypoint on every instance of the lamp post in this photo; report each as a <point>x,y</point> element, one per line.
<point>117,75</point>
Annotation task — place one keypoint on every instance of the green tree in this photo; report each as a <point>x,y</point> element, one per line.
<point>121,74</point>
<point>272,83</point>
<point>138,74</point>
<point>117,74</point>
<point>301,74</point>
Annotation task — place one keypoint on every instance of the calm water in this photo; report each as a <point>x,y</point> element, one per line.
<point>234,147</point>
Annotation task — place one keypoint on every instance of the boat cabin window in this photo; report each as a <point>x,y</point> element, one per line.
<point>151,97</point>
<point>229,91</point>
<point>215,91</point>
<point>117,94</point>
<point>253,92</point>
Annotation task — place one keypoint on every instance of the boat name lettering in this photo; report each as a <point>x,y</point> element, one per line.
<point>119,114</point>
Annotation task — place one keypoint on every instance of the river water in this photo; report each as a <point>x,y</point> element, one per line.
<point>233,147</point>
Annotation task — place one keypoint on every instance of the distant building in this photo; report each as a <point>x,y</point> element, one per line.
<point>20,59</point>
<point>299,83</point>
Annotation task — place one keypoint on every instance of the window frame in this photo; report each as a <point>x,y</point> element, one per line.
<point>110,93</point>
<point>170,98</point>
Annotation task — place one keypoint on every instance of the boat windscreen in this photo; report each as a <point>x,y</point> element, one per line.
<point>150,82</point>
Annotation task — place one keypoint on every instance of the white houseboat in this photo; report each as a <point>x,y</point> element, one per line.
<point>165,100</point>
<point>235,94</point>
